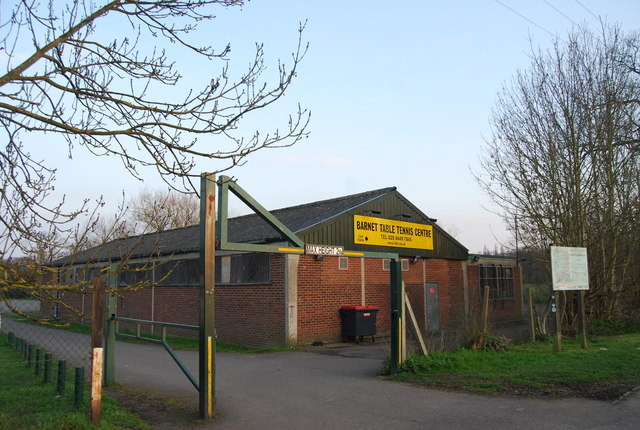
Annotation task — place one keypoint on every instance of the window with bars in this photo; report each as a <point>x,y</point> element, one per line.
<point>250,268</point>
<point>498,278</point>
<point>178,272</point>
<point>137,274</point>
<point>235,269</point>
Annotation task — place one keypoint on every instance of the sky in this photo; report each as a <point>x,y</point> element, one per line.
<point>400,94</point>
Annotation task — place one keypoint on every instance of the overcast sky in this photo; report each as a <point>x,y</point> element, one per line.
<point>400,95</point>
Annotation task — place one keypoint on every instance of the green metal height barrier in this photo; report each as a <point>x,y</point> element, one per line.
<point>42,362</point>
<point>110,343</point>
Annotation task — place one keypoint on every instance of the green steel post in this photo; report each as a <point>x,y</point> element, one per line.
<point>47,367</point>
<point>396,315</point>
<point>62,377</point>
<point>110,328</point>
<point>223,210</point>
<point>38,361</point>
<point>228,185</point>
<point>79,387</point>
<point>30,351</point>
<point>207,295</point>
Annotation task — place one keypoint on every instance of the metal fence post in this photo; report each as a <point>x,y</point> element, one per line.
<point>79,387</point>
<point>62,377</point>
<point>30,350</point>
<point>396,315</point>
<point>47,367</point>
<point>38,361</point>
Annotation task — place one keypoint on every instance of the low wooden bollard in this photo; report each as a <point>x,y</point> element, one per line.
<point>96,385</point>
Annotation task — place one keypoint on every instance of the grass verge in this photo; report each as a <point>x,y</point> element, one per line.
<point>28,403</point>
<point>608,368</point>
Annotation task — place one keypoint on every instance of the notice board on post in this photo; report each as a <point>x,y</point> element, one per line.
<point>569,268</point>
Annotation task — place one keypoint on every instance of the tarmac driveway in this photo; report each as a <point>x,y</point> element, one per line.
<point>296,390</point>
<point>336,388</point>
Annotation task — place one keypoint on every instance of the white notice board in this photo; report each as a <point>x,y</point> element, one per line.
<point>569,268</point>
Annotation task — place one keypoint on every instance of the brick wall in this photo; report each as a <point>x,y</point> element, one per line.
<point>251,315</point>
<point>323,289</point>
<point>500,311</point>
<point>255,315</point>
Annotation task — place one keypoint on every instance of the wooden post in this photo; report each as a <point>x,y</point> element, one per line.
<point>97,349</point>
<point>96,385</point>
<point>485,310</point>
<point>98,320</point>
<point>207,361</point>
<point>582,320</point>
<point>532,322</point>
<point>555,308</point>
<point>423,347</point>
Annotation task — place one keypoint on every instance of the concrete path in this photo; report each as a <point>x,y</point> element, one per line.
<point>340,388</point>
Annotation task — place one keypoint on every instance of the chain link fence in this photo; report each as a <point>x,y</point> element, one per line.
<point>35,342</point>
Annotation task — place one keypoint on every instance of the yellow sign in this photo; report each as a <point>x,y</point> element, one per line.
<point>386,232</point>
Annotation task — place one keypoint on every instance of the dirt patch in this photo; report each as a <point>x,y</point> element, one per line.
<point>163,413</point>
<point>593,390</point>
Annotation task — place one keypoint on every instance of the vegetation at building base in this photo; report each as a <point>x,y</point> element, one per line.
<point>533,369</point>
<point>29,403</point>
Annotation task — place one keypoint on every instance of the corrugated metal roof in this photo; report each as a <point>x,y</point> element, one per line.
<point>243,229</point>
<point>326,222</point>
<point>393,206</point>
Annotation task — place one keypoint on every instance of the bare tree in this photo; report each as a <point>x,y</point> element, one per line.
<point>563,158</point>
<point>155,210</point>
<point>69,76</point>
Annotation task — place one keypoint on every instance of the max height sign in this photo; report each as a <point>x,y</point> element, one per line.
<point>386,232</point>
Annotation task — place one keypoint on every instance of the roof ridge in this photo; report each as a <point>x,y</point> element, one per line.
<point>322,202</point>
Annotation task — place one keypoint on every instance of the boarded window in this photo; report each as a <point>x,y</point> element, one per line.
<point>238,269</point>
